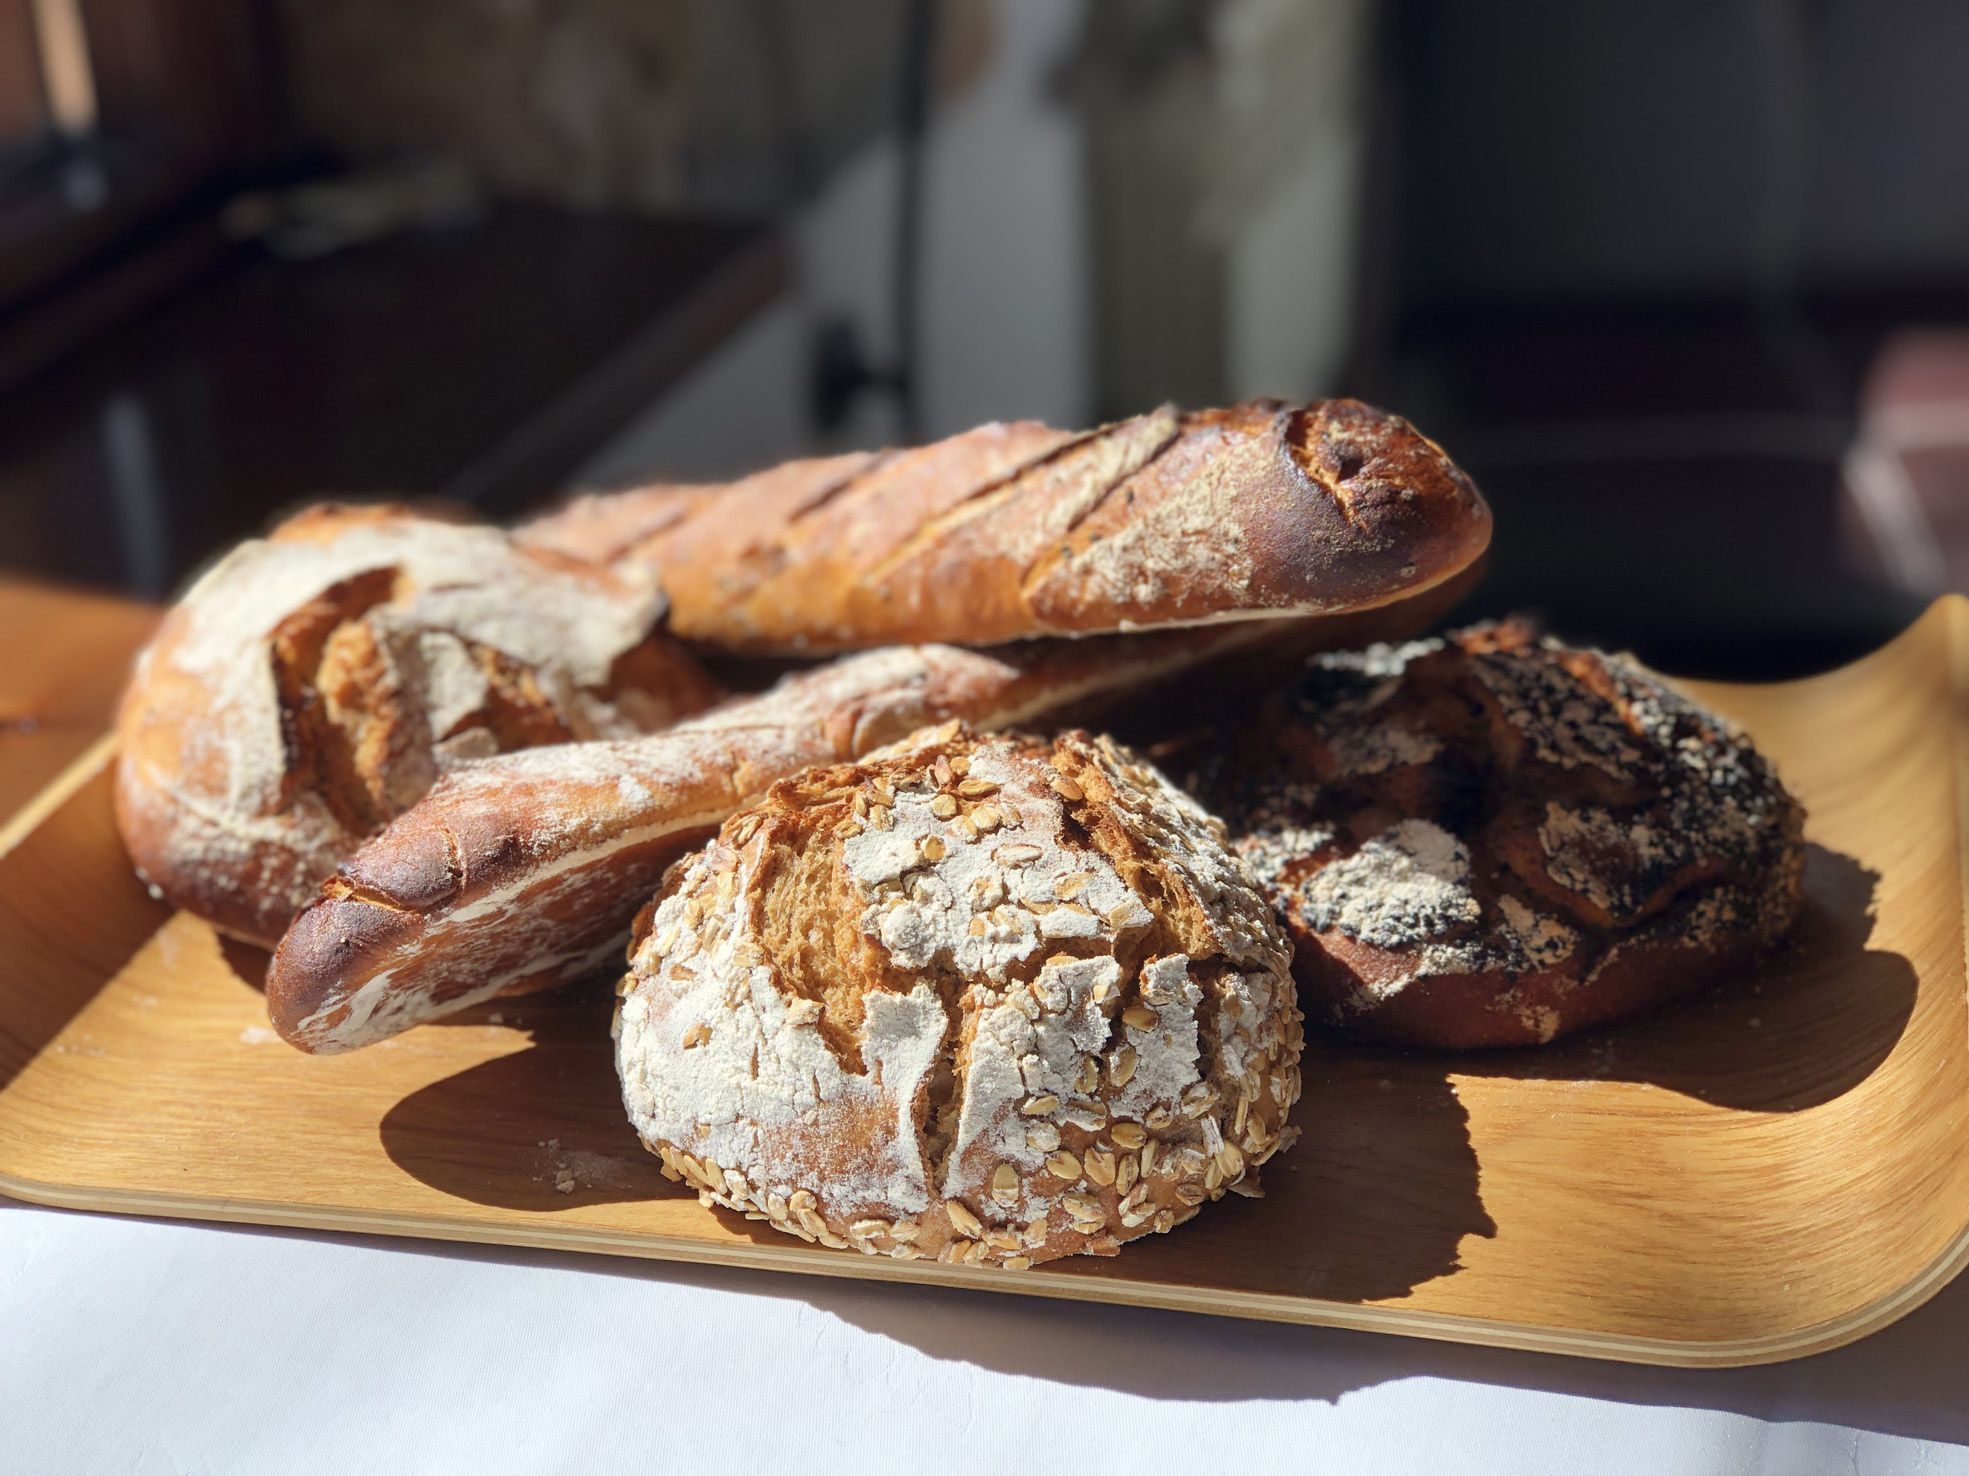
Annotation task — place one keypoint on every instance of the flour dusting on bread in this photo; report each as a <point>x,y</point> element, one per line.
<point>1493,837</point>
<point>984,999</point>
<point>315,683</point>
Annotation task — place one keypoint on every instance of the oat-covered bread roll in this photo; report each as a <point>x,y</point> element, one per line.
<point>1009,531</point>
<point>1494,838</point>
<point>314,683</point>
<point>983,999</point>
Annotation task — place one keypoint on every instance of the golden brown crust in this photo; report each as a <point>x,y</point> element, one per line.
<point>986,1000</point>
<point>314,683</point>
<point>524,871</point>
<point>1018,530</point>
<point>1493,840</point>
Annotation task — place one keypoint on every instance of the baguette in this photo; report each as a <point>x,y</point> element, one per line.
<point>1017,530</point>
<point>524,871</point>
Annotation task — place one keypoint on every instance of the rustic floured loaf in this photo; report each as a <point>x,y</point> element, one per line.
<point>313,684</point>
<point>526,870</point>
<point>1018,530</point>
<point>1494,838</point>
<point>991,1000</point>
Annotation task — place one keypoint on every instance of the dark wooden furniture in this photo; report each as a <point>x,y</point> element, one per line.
<point>480,362</point>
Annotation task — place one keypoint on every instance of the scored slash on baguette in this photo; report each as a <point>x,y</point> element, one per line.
<point>1016,530</point>
<point>523,872</point>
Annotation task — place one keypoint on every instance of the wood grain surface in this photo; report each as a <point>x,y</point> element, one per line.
<point>67,656</point>
<point>1773,1169</point>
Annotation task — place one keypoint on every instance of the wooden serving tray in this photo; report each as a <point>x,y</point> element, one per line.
<point>1772,1170</point>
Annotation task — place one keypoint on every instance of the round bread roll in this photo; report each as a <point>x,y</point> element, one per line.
<point>314,683</point>
<point>983,999</point>
<point>1493,839</point>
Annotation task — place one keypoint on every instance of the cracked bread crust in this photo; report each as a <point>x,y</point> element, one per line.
<point>525,870</point>
<point>987,1000</point>
<point>315,683</point>
<point>1017,530</point>
<point>1493,839</point>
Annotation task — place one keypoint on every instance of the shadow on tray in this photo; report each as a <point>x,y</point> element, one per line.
<point>1384,1188</point>
<point>50,890</point>
<point>1369,1208</point>
<point>1374,1201</point>
<point>1379,1200</point>
<point>1375,1205</point>
<point>551,1111</point>
<point>1821,1016</point>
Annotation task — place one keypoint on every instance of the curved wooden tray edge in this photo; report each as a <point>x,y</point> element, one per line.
<point>804,1261</point>
<point>1823,1337</point>
<point>58,791</point>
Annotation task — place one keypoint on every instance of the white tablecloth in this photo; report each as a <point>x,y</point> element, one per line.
<point>140,1346</point>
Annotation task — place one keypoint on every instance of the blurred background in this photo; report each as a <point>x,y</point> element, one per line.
<point>1685,284</point>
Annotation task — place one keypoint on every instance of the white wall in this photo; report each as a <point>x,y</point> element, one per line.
<point>1005,331</point>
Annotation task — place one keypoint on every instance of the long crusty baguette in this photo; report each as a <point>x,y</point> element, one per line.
<point>525,871</point>
<point>1017,530</point>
